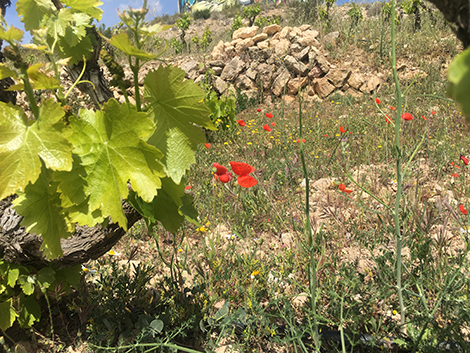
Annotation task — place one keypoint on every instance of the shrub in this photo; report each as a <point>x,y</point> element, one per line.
<point>202,14</point>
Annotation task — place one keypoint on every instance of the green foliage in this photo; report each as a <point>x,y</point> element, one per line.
<point>355,14</point>
<point>236,24</point>
<point>176,45</point>
<point>203,42</point>
<point>459,81</point>
<point>202,14</point>
<point>304,12</point>
<point>264,21</point>
<point>222,109</point>
<point>250,13</point>
<point>387,12</point>
<point>410,6</point>
<point>183,24</point>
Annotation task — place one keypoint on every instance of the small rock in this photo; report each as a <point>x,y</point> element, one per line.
<point>272,29</point>
<point>245,32</point>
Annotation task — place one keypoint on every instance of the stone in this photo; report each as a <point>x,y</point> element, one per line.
<point>253,53</point>
<point>323,87</point>
<point>200,78</point>
<point>265,74</point>
<point>330,38</point>
<point>315,72</point>
<point>295,48</point>
<point>260,37</point>
<point>280,82</point>
<point>338,77</point>
<point>263,44</point>
<point>297,67</point>
<point>308,38</point>
<point>277,36</point>
<point>304,28</point>
<point>216,63</point>
<point>300,300</point>
<point>217,70</point>
<point>243,45</point>
<point>295,83</point>
<point>371,85</point>
<point>356,80</point>
<point>272,29</point>
<point>322,63</point>
<point>218,53</point>
<point>289,99</point>
<point>191,68</point>
<point>353,93</point>
<point>284,34</point>
<point>245,32</point>
<point>244,83</point>
<point>282,47</point>
<point>232,69</point>
<point>233,43</point>
<point>219,85</point>
<point>302,55</point>
<point>251,73</point>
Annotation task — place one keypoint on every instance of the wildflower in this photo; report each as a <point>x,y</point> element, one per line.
<point>230,236</point>
<point>423,117</point>
<point>87,270</point>
<point>463,210</point>
<point>392,108</point>
<point>303,140</point>
<point>325,135</point>
<point>342,188</point>
<point>201,229</point>
<point>407,116</point>
<point>455,175</point>
<point>242,170</point>
<point>254,273</point>
<point>219,169</point>
<point>113,253</point>
<point>273,124</point>
<point>241,123</point>
<point>377,100</point>
<point>341,129</point>
<point>180,250</point>
<point>269,115</point>
<point>433,113</point>
<point>258,110</point>
<point>225,178</point>
<point>388,119</point>
<point>208,145</point>
<point>267,128</point>
<point>464,159</point>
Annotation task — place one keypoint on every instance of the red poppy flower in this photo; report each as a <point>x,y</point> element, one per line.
<point>424,117</point>
<point>242,170</point>
<point>342,188</point>
<point>392,108</point>
<point>241,122</point>
<point>188,187</point>
<point>341,129</point>
<point>269,115</point>
<point>325,135</point>
<point>303,140</point>
<point>451,163</point>
<point>456,166</point>
<point>455,175</point>
<point>433,113</point>
<point>267,128</point>
<point>388,119</point>
<point>258,110</point>
<point>377,100</point>
<point>225,178</point>
<point>208,145</point>
<point>407,116</point>
<point>273,124</point>
<point>464,159</point>
<point>220,169</point>
<point>463,210</point>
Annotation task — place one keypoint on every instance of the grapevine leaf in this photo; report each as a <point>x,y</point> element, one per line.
<point>111,145</point>
<point>70,275</point>
<point>33,12</point>
<point>19,137</point>
<point>83,48</point>
<point>89,7</point>
<point>8,314</point>
<point>74,33</point>
<point>12,275</point>
<point>124,44</point>
<point>459,80</point>
<point>40,80</point>
<point>26,283</point>
<point>46,276</point>
<point>42,214</point>
<point>179,113</point>
<point>188,210</point>
<point>5,71</point>
<point>30,311</point>
<point>13,34</point>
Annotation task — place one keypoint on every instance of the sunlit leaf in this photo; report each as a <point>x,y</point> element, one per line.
<point>33,11</point>
<point>13,34</point>
<point>124,44</point>
<point>89,7</point>
<point>459,80</point>
<point>5,71</point>
<point>23,144</point>
<point>179,112</point>
<point>8,314</point>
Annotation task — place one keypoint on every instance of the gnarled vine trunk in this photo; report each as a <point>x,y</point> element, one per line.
<point>19,247</point>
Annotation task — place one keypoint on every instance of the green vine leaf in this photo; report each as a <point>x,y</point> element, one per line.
<point>5,72</point>
<point>12,35</point>
<point>459,80</point>
<point>33,11</point>
<point>8,314</point>
<point>111,145</point>
<point>30,311</point>
<point>89,7</point>
<point>41,209</point>
<point>124,44</point>
<point>19,137</point>
<point>39,80</point>
<point>179,113</point>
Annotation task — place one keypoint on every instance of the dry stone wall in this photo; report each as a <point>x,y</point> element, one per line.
<point>281,61</point>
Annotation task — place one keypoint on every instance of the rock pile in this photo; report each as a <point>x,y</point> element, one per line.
<point>281,60</point>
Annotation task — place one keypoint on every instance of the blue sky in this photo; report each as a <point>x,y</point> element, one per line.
<point>110,7</point>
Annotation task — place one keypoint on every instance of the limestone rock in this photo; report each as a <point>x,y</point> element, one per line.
<point>218,53</point>
<point>260,37</point>
<point>243,45</point>
<point>265,74</point>
<point>280,81</point>
<point>217,70</point>
<point>282,47</point>
<point>219,85</point>
<point>302,55</point>
<point>284,34</point>
<point>322,63</point>
<point>316,72</point>
<point>295,84</point>
<point>245,32</point>
<point>323,87</point>
<point>263,45</point>
<point>232,69</point>
<point>251,73</point>
<point>356,80</point>
<point>353,93</point>
<point>338,77</point>
<point>304,28</point>
<point>191,68</point>
<point>371,85</point>
<point>330,38</point>
<point>297,67</point>
<point>295,48</point>
<point>244,83</point>
<point>308,38</point>
<point>217,63</point>
<point>272,29</point>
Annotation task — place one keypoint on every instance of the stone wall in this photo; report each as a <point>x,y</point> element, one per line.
<point>281,60</point>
